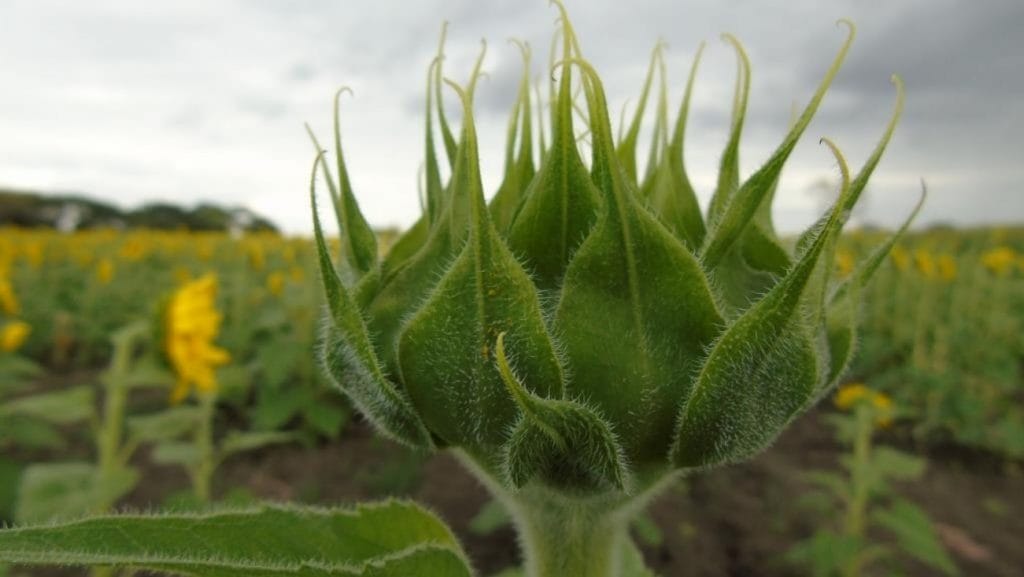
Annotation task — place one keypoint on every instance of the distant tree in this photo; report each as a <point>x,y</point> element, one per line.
<point>70,212</point>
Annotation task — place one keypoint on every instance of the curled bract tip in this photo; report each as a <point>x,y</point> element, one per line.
<point>342,90</point>
<point>524,47</point>
<point>851,27</point>
<point>458,90</point>
<point>897,81</point>
<point>584,66</point>
<point>844,168</point>
<point>477,72</point>
<point>735,42</point>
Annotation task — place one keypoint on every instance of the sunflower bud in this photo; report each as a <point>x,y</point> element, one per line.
<point>590,330</point>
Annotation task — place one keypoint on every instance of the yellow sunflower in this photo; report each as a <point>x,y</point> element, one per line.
<point>191,324</point>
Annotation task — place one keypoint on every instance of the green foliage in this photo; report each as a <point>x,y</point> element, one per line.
<point>941,334</point>
<point>387,539</point>
<point>69,489</point>
<point>862,499</point>
<point>65,407</point>
<point>915,535</point>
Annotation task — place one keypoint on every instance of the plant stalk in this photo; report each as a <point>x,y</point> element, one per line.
<point>202,474</point>
<point>856,513</point>
<point>561,537</point>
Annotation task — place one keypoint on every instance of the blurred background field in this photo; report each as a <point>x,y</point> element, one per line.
<point>87,419</point>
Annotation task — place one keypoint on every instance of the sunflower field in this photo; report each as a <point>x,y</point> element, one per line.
<point>157,319</point>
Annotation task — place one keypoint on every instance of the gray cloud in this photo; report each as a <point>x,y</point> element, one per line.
<point>189,100</point>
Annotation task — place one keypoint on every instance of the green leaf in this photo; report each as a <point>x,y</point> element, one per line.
<point>59,407</point>
<point>237,442</point>
<point>826,554</point>
<point>10,476</point>
<point>562,443</point>
<point>326,417</point>
<point>16,373</point>
<point>51,490</point>
<point>392,539</point>
<point>235,382</point>
<point>647,530</point>
<point>761,371</point>
<point>149,373</point>
<point>29,433</point>
<point>561,203</point>
<point>633,562</point>
<point>279,361</point>
<point>491,517</point>
<point>915,535</point>
<point>633,282</point>
<point>350,359</point>
<point>175,453</point>
<point>889,463</point>
<point>835,484</point>
<point>165,425</point>
<point>275,407</point>
<point>445,349</point>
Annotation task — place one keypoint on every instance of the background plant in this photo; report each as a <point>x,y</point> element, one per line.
<point>862,499</point>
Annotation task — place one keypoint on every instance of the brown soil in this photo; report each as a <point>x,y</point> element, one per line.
<point>734,521</point>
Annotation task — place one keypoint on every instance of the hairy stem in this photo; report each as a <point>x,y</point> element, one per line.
<point>570,537</point>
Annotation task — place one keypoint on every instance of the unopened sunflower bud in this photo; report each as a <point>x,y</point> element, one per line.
<point>590,331</point>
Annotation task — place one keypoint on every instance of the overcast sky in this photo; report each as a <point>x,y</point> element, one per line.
<point>195,100</point>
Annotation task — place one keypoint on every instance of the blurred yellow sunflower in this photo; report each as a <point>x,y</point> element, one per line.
<point>13,335</point>
<point>8,300</point>
<point>191,324</point>
<point>849,396</point>
<point>275,283</point>
<point>999,261</point>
